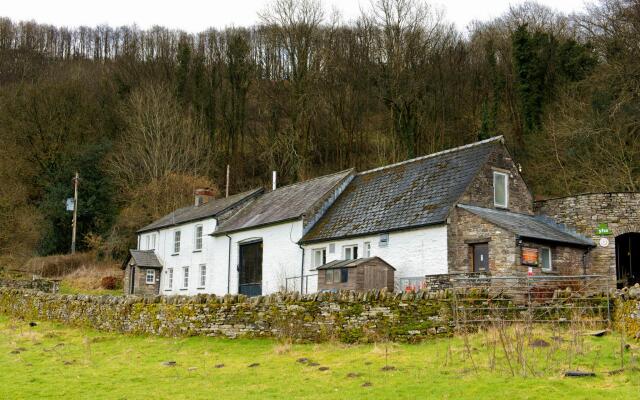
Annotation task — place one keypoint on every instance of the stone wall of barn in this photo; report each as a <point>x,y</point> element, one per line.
<point>141,287</point>
<point>480,191</point>
<point>620,211</point>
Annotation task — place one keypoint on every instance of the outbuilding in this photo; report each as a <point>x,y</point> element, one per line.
<point>360,274</point>
<point>142,271</point>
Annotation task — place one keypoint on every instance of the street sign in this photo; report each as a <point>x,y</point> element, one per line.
<point>603,229</point>
<point>70,204</point>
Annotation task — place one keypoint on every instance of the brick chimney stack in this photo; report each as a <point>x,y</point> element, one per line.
<point>203,195</point>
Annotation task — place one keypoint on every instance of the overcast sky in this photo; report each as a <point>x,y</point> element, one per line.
<point>197,15</point>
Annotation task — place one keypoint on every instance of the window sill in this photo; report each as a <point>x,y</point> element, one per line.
<point>184,289</point>
<point>200,288</point>
<point>175,254</point>
<point>198,251</point>
<point>549,271</point>
<point>168,290</point>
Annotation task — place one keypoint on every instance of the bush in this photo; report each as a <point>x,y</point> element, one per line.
<point>110,283</point>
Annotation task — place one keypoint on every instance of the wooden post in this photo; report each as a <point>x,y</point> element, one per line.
<point>75,213</point>
<point>226,192</point>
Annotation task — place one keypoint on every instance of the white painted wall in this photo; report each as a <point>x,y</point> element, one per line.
<point>281,255</point>
<point>187,257</point>
<point>412,253</point>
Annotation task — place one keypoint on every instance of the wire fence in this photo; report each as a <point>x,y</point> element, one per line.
<point>583,299</point>
<point>293,284</point>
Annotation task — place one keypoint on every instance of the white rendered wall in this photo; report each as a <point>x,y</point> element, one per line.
<point>281,255</point>
<point>187,257</point>
<point>412,253</point>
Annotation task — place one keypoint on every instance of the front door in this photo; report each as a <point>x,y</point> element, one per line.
<point>250,269</point>
<point>132,279</point>
<point>481,257</point>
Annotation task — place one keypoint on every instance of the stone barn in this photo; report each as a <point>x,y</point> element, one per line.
<point>612,221</point>
<point>361,274</point>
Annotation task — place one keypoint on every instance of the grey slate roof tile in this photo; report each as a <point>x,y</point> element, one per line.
<point>145,258</point>
<point>413,193</point>
<point>194,213</point>
<point>529,226</point>
<point>285,203</point>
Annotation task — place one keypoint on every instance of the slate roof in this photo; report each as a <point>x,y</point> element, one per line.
<point>194,213</point>
<point>413,193</point>
<point>351,263</point>
<point>144,258</point>
<point>529,226</point>
<point>283,204</point>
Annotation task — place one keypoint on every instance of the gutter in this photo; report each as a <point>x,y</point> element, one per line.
<point>229,267</point>
<point>301,270</point>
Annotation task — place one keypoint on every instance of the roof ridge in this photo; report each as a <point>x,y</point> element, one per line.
<point>451,150</point>
<point>313,179</point>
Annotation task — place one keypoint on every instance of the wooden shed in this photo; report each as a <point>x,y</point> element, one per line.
<point>360,274</point>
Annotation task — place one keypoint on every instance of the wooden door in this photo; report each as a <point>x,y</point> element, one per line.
<point>250,269</point>
<point>481,257</point>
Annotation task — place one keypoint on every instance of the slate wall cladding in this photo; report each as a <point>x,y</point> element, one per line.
<point>480,191</point>
<point>621,211</point>
<point>344,316</point>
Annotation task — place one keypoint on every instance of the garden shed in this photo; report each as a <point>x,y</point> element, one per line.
<point>360,274</point>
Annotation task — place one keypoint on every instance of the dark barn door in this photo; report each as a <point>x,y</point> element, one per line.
<point>250,269</point>
<point>132,279</point>
<point>481,257</point>
<point>628,259</point>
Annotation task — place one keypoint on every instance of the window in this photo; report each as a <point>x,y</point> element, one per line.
<point>176,242</point>
<point>500,189</point>
<point>350,252</point>
<point>148,240</point>
<point>170,278</point>
<point>384,240</point>
<point>367,249</point>
<point>319,257</point>
<point>545,259</point>
<point>198,244</point>
<point>340,275</point>
<point>151,276</point>
<point>332,248</point>
<point>203,275</point>
<point>153,242</point>
<point>185,277</point>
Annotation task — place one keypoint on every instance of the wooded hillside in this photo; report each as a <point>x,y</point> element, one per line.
<point>145,116</point>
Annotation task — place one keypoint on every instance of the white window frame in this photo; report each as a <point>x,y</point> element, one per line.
<point>150,273</point>
<point>177,236</point>
<point>170,278</point>
<point>202,276</point>
<point>185,277</point>
<point>148,241</point>
<point>540,254</point>
<point>353,251</point>
<point>153,242</point>
<point>506,189</point>
<point>322,251</point>
<point>366,250</point>
<point>197,243</point>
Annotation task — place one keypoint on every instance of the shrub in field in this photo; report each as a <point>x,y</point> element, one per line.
<point>110,283</point>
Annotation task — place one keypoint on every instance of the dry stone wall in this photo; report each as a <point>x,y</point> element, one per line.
<point>345,316</point>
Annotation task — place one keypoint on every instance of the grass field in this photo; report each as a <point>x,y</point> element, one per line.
<point>51,361</point>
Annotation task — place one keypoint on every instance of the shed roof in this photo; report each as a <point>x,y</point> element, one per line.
<point>351,263</point>
<point>193,213</point>
<point>529,226</point>
<point>283,204</point>
<point>144,258</point>
<point>409,194</point>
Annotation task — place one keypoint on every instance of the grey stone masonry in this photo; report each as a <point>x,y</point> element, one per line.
<point>584,213</point>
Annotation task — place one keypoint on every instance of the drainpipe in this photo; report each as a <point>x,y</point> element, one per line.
<point>229,267</point>
<point>302,270</point>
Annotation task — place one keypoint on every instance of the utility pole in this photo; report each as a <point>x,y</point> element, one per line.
<point>226,192</point>
<point>75,213</point>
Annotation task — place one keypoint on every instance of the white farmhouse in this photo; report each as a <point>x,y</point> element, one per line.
<point>461,210</point>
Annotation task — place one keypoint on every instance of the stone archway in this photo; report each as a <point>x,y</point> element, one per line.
<point>627,246</point>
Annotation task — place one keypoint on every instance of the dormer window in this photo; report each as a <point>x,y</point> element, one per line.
<point>500,189</point>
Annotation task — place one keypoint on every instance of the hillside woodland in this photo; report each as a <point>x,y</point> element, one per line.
<point>146,116</point>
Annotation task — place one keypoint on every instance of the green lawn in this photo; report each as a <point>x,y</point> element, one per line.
<point>53,361</point>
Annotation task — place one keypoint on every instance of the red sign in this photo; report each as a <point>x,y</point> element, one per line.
<point>529,256</point>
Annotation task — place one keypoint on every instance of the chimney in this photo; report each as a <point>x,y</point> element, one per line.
<point>203,195</point>
<point>273,181</point>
